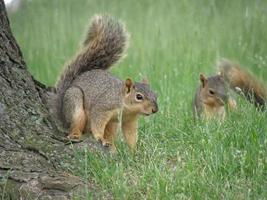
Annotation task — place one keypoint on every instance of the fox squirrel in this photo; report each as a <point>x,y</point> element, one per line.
<point>213,93</point>
<point>89,98</point>
<point>240,79</point>
<point>210,98</point>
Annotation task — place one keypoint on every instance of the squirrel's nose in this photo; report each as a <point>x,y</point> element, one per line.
<point>223,97</point>
<point>155,109</point>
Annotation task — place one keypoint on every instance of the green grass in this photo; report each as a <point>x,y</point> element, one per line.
<point>171,43</point>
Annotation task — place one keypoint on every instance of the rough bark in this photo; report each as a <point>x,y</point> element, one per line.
<point>31,148</point>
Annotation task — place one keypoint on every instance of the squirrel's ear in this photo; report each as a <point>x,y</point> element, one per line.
<point>128,84</point>
<point>145,81</point>
<point>203,80</point>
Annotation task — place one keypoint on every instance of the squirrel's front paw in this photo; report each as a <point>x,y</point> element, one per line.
<point>104,142</point>
<point>74,136</point>
<point>232,103</point>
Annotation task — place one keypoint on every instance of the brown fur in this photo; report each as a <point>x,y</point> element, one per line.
<point>129,128</point>
<point>253,89</point>
<point>89,98</point>
<point>104,45</point>
<point>210,98</point>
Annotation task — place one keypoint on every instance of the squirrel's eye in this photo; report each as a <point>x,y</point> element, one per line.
<point>139,97</point>
<point>211,92</point>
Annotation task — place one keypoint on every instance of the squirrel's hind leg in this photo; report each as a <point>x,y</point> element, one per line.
<point>74,113</point>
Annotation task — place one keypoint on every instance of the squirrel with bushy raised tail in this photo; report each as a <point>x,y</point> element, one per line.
<point>212,95</point>
<point>89,99</point>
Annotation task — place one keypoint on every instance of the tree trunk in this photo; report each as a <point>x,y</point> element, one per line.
<point>31,147</point>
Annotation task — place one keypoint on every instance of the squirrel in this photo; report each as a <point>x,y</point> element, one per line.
<point>89,98</point>
<point>243,82</point>
<point>213,93</point>
<point>210,98</point>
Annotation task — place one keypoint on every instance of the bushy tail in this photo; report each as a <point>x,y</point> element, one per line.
<point>240,79</point>
<point>104,45</point>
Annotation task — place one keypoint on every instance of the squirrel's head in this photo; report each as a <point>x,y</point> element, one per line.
<point>139,98</point>
<point>213,90</point>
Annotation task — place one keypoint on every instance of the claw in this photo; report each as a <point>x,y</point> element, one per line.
<point>74,136</point>
<point>106,144</point>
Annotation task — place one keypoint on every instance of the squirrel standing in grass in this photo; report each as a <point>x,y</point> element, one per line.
<point>210,98</point>
<point>89,98</point>
<point>212,94</point>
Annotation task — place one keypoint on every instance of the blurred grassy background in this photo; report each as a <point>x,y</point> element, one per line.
<point>171,43</point>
